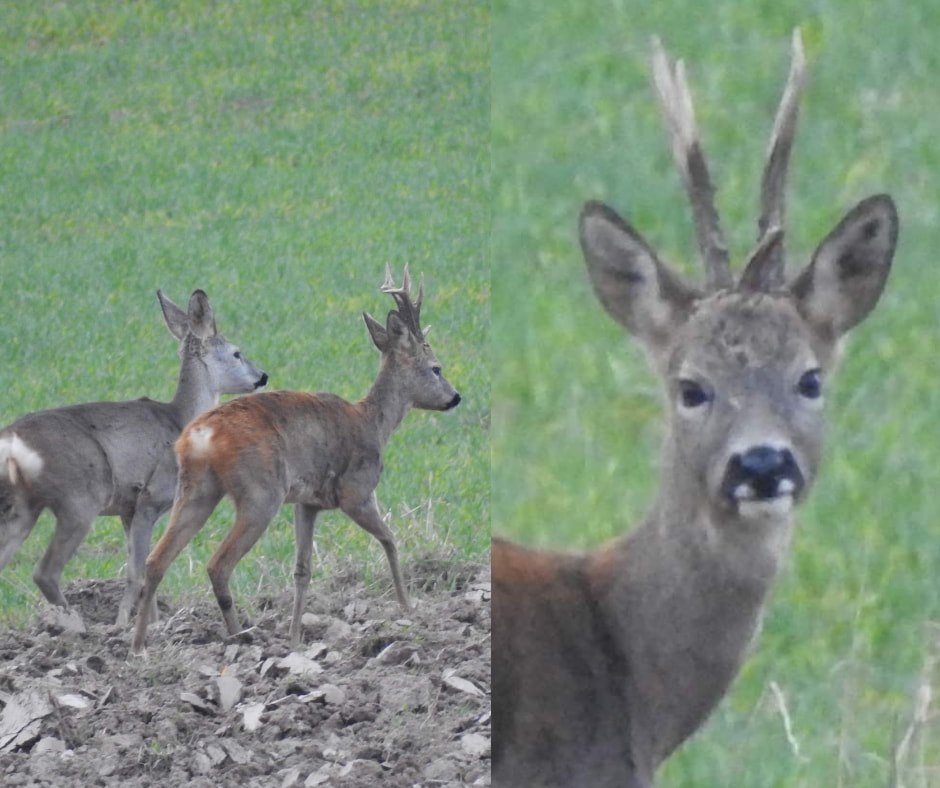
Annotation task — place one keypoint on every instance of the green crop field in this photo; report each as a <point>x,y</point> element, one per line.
<point>836,692</point>
<point>277,155</point>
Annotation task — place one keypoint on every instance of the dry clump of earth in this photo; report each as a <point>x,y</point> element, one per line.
<point>373,697</point>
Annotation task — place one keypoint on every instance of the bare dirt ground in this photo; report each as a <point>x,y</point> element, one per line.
<point>373,698</point>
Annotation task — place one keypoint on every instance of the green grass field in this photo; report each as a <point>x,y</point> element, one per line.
<point>849,639</point>
<point>276,155</point>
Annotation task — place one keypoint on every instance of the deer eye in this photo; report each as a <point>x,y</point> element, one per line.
<point>692,394</point>
<point>238,354</point>
<point>810,384</point>
<point>436,371</point>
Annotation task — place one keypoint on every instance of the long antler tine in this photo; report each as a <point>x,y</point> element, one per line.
<point>389,284</point>
<point>409,311</point>
<point>675,101</point>
<point>773,183</point>
<point>406,280</point>
<point>420,294</point>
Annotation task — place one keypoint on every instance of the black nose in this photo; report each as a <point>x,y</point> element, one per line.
<point>454,402</point>
<point>763,468</point>
<point>262,381</point>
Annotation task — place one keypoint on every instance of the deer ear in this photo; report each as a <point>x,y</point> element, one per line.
<point>201,317</point>
<point>637,290</point>
<point>376,331</point>
<point>847,274</point>
<point>174,317</point>
<point>398,332</point>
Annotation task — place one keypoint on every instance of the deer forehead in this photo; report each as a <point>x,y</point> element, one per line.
<point>732,333</point>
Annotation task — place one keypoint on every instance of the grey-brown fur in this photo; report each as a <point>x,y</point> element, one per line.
<point>317,451</point>
<point>114,458</point>
<point>604,663</point>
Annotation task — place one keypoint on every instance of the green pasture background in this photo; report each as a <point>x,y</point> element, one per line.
<point>849,640</point>
<point>277,155</point>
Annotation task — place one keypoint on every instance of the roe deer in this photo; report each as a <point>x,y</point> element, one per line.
<point>83,461</point>
<point>317,451</point>
<point>605,662</point>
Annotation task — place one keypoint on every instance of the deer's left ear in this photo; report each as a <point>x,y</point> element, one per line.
<point>175,318</point>
<point>848,272</point>
<point>398,332</point>
<point>377,332</point>
<point>201,316</point>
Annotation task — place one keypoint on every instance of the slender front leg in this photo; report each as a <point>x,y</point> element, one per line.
<point>366,515</point>
<point>305,517</point>
<point>152,503</point>
<point>139,534</point>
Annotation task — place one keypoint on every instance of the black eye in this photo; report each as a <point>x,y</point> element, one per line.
<point>810,385</point>
<point>692,394</point>
<point>238,354</point>
<point>436,371</point>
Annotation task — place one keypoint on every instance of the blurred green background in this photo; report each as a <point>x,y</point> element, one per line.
<point>276,154</point>
<point>848,644</point>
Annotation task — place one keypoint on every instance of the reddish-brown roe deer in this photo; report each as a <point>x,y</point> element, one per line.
<point>317,451</point>
<point>605,662</point>
<point>83,461</point>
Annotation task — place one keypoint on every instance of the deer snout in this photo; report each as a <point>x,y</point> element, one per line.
<point>262,381</point>
<point>762,473</point>
<point>454,402</point>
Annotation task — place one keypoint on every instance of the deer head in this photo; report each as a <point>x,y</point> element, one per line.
<point>404,346</point>
<point>746,362</point>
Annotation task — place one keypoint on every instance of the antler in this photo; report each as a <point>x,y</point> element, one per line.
<point>408,311</point>
<point>672,90</point>
<point>773,184</point>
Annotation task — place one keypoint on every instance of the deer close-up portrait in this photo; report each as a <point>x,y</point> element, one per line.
<point>606,661</point>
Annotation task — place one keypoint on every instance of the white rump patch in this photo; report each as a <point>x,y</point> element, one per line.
<point>199,440</point>
<point>19,459</point>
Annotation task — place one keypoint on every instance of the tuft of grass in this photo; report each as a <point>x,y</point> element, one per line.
<point>577,413</point>
<point>276,156</point>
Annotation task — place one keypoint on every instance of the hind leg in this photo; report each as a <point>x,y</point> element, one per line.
<point>253,514</point>
<point>15,525</point>
<point>71,527</point>
<point>190,512</point>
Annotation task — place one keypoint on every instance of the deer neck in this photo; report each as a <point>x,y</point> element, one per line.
<point>195,393</point>
<point>386,404</point>
<point>684,595</point>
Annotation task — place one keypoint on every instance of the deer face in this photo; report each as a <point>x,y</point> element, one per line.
<point>744,367</point>
<point>746,393</point>
<point>230,371</point>
<point>404,346</point>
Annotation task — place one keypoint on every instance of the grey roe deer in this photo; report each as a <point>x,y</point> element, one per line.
<point>605,662</point>
<point>317,451</point>
<point>115,458</point>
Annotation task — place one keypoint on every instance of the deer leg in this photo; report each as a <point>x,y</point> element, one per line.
<point>366,515</point>
<point>252,517</point>
<point>139,530</point>
<point>13,531</point>
<point>152,501</point>
<point>71,528</point>
<point>190,512</point>
<point>305,518</point>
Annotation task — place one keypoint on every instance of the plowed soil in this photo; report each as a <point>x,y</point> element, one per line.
<point>373,697</point>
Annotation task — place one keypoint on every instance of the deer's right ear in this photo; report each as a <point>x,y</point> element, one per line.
<point>376,331</point>
<point>636,289</point>
<point>848,272</point>
<point>201,317</point>
<point>175,318</point>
